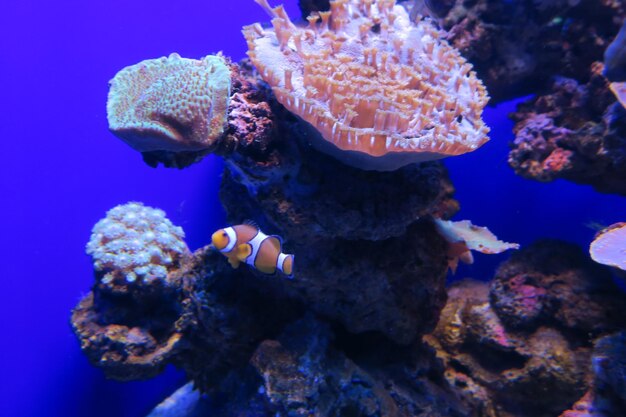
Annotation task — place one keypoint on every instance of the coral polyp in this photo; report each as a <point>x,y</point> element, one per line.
<point>135,243</point>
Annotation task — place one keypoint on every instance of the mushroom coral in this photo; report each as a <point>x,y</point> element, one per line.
<point>381,91</point>
<point>609,246</point>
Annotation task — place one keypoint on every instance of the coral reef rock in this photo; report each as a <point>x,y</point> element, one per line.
<point>205,322</point>
<point>305,371</point>
<point>168,106</point>
<point>329,213</point>
<point>517,47</point>
<point>577,132</point>
<point>556,282</point>
<point>607,395</point>
<point>609,365</point>
<point>410,96</point>
<point>506,344</point>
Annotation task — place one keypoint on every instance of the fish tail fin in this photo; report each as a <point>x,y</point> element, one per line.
<point>287,265</point>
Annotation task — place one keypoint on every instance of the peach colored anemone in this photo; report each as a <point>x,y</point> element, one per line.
<point>382,91</point>
<point>609,246</point>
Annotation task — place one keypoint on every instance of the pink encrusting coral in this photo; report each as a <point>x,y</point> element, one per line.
<point>170,104</point>
<point>382,91</point>
<point>609,246</point>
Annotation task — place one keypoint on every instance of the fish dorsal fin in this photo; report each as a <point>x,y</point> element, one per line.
<point>251,223</point>
<point>276,242</point>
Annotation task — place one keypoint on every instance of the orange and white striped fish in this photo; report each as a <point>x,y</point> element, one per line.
<point>247,243</point>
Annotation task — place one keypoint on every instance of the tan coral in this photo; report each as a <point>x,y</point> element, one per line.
<point>619,89</point>
<point>382,92</point>
<point>170,104</point>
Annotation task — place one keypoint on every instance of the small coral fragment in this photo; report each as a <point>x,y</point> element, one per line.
<point>609,246</point>
<point>619,89</point>
<point>463,236</point>
<point>382,92</point>
<point>170,104</point>
<point>135,243</point>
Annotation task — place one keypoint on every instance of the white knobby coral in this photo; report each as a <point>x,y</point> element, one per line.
<point>136,242</point>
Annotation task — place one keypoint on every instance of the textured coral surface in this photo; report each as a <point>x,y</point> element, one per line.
<point>577,132</point>
<point>382,92</point>
<point>168,106</point>
<point>518,46</point>
<point>307,370</point>
<point>529,332</point>
<point>135,242</point>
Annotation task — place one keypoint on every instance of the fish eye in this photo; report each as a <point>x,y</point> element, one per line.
<point>224,234</point>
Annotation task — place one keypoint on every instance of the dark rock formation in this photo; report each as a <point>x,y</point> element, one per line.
<point>309,370</point>
<point>366,255</point>
<point>607,394</point>
<point>518,46</point>
<point>529,333</point>
<point>576,132</point>
<point>609,366</point>
<point>207,323</point>
<point>556,283</point>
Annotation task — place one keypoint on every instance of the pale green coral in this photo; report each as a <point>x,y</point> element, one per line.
<point>170,104</point>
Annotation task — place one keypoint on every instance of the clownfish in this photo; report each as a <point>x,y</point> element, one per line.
<point>247,243</point>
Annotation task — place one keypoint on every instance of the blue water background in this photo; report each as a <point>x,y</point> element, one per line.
<point>61,170</point>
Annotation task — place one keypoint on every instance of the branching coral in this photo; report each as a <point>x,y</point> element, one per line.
<point>381,91</point>
<point>170,104</point>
